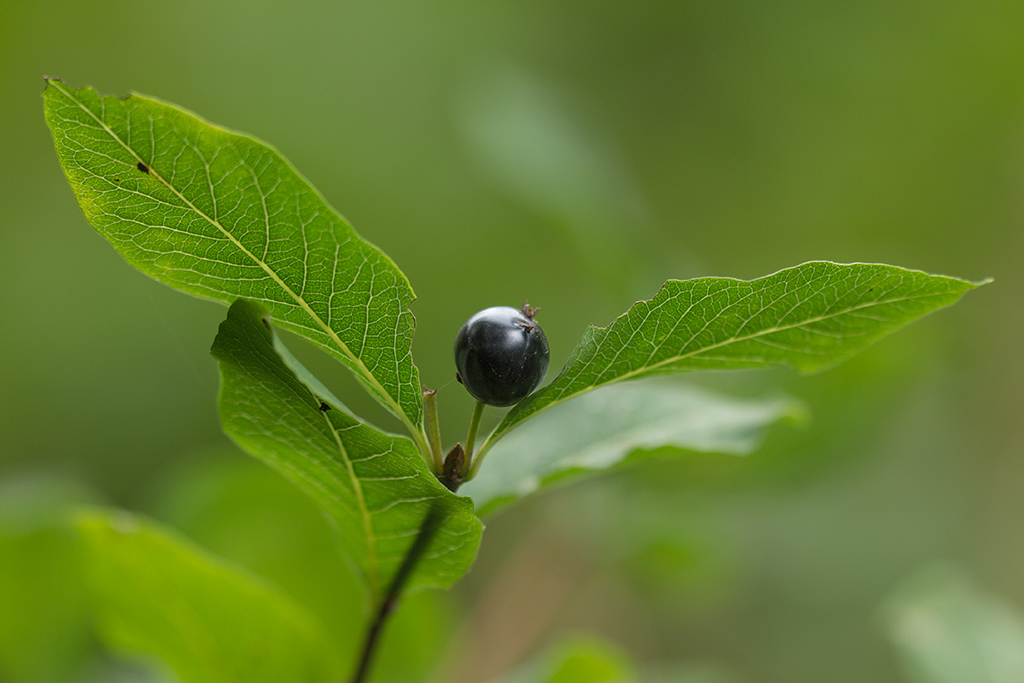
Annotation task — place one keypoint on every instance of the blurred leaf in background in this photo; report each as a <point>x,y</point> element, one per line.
<point>580,660</point>
<point>158,596</point>
<point>252,516</point>
<point>540,150</point>
<point>45,632</point>
<point>948,630</point>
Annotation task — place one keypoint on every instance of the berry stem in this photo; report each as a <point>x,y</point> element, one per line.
<point>433,428</point>
<point>474,425</point>
<point>479,459</point>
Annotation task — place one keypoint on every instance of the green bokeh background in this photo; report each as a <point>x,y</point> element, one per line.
<point>578,155</point>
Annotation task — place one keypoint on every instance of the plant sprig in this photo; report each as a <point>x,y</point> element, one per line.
<point>223,216</point>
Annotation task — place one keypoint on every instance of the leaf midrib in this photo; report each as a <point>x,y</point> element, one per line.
<point>372,561</point>
<point>270,271</point>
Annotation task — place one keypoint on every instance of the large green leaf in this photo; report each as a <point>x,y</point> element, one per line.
<point>156,594</point>
<point>221,216</point>
<point>375,486</point>
<point>809,317</point>
<point>607,427</point>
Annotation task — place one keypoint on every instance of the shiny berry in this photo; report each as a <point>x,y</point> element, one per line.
<point>501,355</point>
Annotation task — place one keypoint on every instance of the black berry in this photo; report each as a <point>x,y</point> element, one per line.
<point>501,355</point>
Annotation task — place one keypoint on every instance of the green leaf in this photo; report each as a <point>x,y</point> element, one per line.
<point>157,594</point>
<point>375,486</point>
<point>946,630</point>
<point>250,515</point>
<point>579,660</point>
<point>221,215</point>
<point>809,317</point>
<point>44,617</point>
<point>619,423</point>
<point>44,626</point>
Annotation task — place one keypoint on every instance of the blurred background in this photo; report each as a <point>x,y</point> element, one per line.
<point>576,155</point>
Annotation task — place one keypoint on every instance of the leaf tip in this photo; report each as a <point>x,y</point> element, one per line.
<point>61,87</point>
<point>53,86</point>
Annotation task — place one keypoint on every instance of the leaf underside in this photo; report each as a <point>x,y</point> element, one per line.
<point>221,215</point>
<point>616,425</point>
<point>374,486</point>
<point>809,317</point>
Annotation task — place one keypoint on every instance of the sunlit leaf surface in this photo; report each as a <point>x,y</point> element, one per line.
<point>221,216</point>
<point>809,317</point>
<point>604,428</point>
<point>375,486</point>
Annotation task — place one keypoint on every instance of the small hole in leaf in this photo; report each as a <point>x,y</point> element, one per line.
<point>142,167</point>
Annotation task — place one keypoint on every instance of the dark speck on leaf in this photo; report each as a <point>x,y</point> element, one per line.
<point>142,167</point>
<point>324,407</point>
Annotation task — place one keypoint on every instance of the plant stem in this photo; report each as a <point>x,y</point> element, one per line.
<point>433,428</point>
<point>479,459</point>
<point>419,437</point>
<point>431,524</point>
<point>474,424</point>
